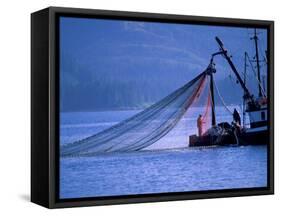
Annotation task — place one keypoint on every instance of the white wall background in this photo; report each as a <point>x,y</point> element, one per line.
<point>15,107</point>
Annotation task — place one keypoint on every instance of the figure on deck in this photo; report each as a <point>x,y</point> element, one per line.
<point>236,117</point>
<point>200,123</point>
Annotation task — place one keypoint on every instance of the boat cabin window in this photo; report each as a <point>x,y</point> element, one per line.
<point>262,115</point>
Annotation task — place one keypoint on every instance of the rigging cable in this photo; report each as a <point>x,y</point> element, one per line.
<point>255,75</point>
<point>223,102</point>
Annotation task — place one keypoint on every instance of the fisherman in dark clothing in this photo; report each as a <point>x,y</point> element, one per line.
<point>200,123</point>
<point>236,117</point>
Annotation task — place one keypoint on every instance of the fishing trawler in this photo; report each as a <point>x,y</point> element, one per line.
<point>225,133</point>
<point>150,125</point>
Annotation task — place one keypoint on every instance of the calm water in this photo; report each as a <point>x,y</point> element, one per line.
<point>188,169</point>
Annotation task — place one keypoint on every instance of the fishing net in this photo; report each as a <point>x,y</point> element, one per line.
<point>146,127</point>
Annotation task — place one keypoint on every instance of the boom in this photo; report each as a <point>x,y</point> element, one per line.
<point>224,53</point>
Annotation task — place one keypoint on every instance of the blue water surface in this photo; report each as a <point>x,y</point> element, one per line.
<point>164,171</point>
<point>156,171</point>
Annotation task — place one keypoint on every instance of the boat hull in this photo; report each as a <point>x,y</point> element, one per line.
<point>245,138</point>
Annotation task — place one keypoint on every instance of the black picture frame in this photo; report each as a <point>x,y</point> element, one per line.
<point>45,107</point>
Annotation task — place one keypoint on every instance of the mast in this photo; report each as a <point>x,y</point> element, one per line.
<point>263,83</point>
<point>213,99</point>
<point>210,71</point>
<point>245,73</point>
<point>264,77</point>
<point>255,38</point>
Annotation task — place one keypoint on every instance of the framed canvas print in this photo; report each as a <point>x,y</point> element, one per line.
<point>138,107</point>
